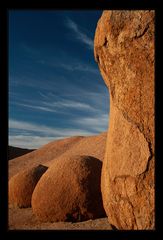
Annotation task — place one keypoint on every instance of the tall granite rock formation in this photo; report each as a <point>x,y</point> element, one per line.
<point>124,51</point>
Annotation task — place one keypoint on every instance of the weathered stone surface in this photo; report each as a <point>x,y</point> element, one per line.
<point>69,190</point>
<point>21,185</point>
<point>124,50</point>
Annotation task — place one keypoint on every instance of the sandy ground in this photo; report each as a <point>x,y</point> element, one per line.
<point>24,219</point>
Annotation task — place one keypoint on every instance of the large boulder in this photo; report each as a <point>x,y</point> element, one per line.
<point>21,185</point>
<point>124,51</point>
<point>69,190</point>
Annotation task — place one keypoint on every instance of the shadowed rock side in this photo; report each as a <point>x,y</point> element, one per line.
<point>14,152</point>
<point>91,145</point>
<point>69,190</point>
<point>21,186</point>
<point>124,51</point>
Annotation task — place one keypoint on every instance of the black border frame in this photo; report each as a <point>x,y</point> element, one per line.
<point>72,5</point>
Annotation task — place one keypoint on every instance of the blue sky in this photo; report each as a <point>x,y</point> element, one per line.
<point>55,87</point>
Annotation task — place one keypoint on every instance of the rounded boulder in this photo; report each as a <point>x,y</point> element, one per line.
<point>69,190</point>
<point>21,185</point>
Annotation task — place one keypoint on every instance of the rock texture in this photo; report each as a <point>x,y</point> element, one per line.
<point>69,190</point>
<point>21,186</point>
<point>124,51</point>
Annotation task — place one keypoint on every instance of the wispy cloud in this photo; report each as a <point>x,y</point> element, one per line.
<point>80,35</point>
<point>77,67</point>
<point>36,107</point>
<point>70,104</point>
<point>43,95</point>
<point>96,124</point>
<point>30,141</point>
<point>73,65</point>
<point>46,131</point>
<point>33,82</point>
<point>61,106</point>
<point>30,135</point>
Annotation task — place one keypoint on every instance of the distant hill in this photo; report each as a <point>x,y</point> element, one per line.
<point>14,152</point>
<point>76,145</point>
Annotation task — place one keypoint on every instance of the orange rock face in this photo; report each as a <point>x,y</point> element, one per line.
<point>69,190</point>
<point>124,51</point>
<point>21,185</point>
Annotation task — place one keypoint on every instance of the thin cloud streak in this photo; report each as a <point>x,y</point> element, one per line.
<point>46,109</point>
<point>69,104</point>
<point>46,131</point>
<point>30,141</point>
<point>78,67</point>
<point>82,37</point>
<point>96,124</point>
<point>75,65</point>
<point>59,106</point>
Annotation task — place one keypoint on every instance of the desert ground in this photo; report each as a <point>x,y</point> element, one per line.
<point>24,219</point>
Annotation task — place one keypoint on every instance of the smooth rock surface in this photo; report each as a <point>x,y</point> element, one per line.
<point>124,51</point>
<point>21,185</point>
<point>69,190</point>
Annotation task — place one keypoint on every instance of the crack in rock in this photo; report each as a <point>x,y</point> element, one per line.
<point>139,35</point>
<point>140,128</point>
<point>130,203</point>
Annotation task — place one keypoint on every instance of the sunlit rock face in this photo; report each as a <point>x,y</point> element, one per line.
<point>22,185</point>
<point>69,190</point>
<point>124,51</point>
